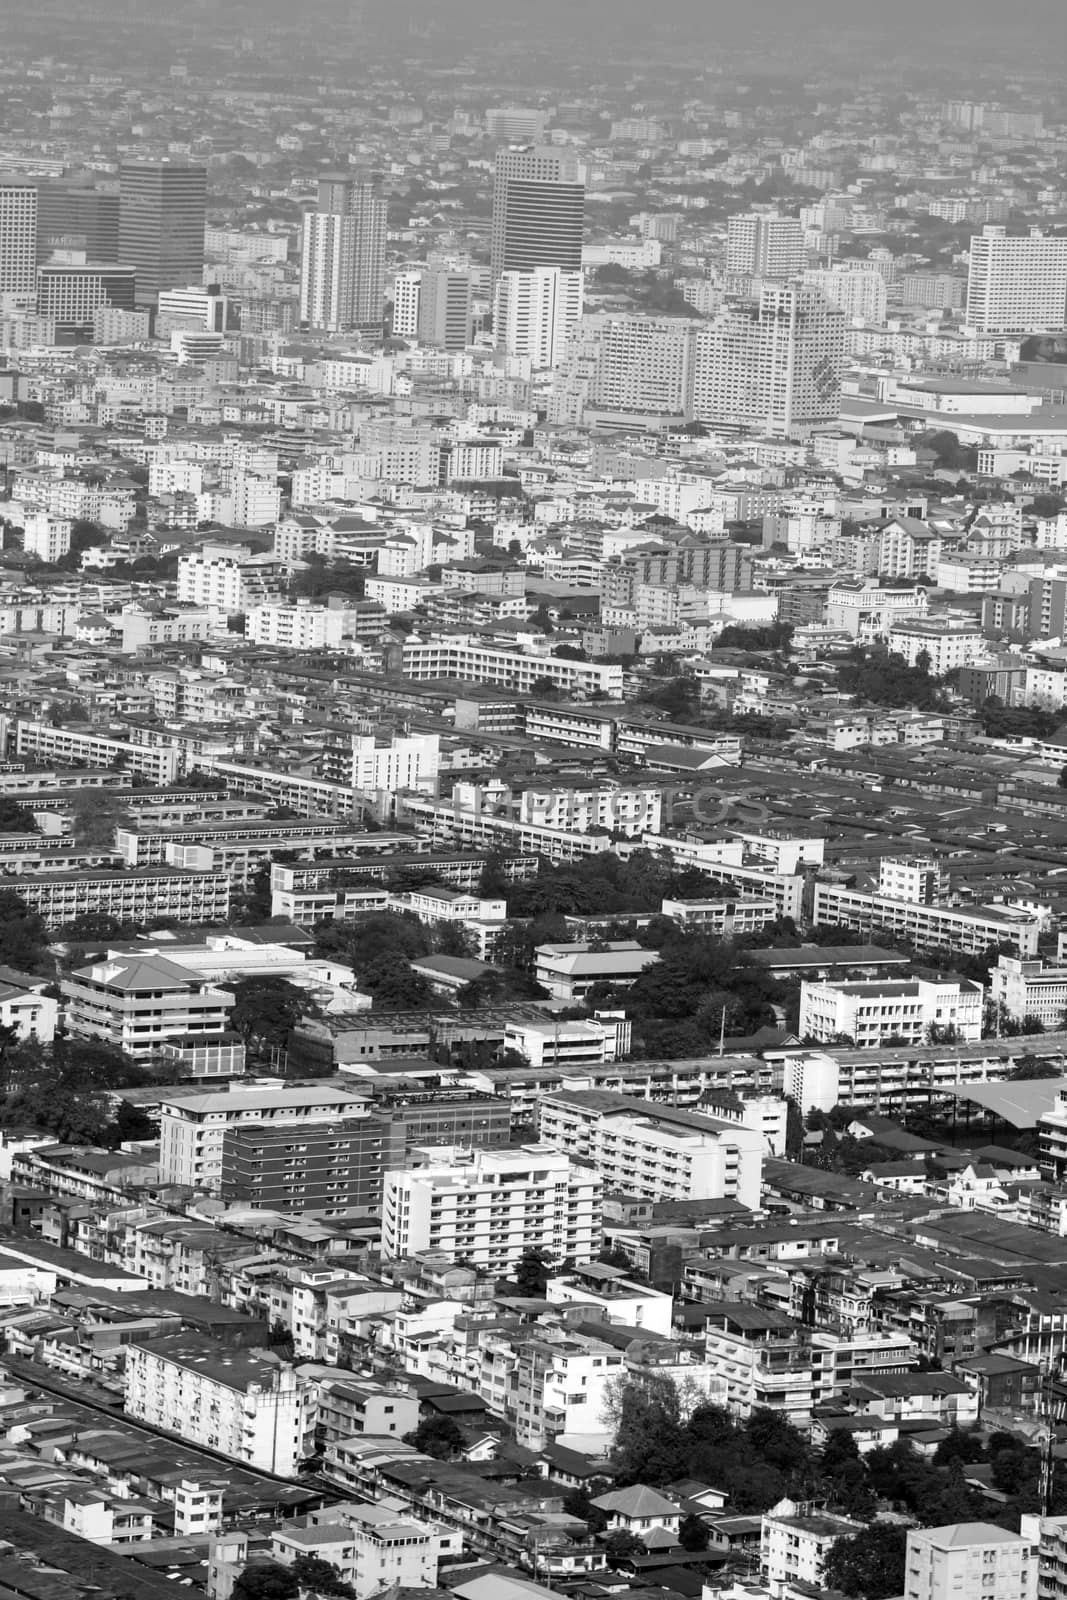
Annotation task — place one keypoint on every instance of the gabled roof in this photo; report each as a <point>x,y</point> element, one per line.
<point>637,1501</point>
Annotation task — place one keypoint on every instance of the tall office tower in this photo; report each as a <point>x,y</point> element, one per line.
<point>777,367</point>
<point>342,263</point>
<point>763,245</point>
<point>18,236</point>
<point>646,365</point>
<point>538,210</point>
<point>75,216</point>
<point>445,309</point>
<point>857,291</point>
<point>535,313</point>
<point>162,212</point>
<point>407,301</point>
<point>515,122</point>
<point>1017,284</point>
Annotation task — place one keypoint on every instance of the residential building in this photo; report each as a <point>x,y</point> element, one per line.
<point>975,1560</point>
<point>444,312</point>
<point>342,262</point>
<point>245,1404</point>
<point>927,926</point>
<point>905,1010</point>
<point>795,1540</point>
<point>493,1206</point>
<point>1021,989</point>
<point>535,313</point>
<point>763,244</point>
<point>18,237</point>
<point>193,1126</point>
<point>138,1004</point>
<point>1017,284</point>
<point>655,1152</point>
<point>776,367</point>
<point>140,896</point>
<point>374,1548</point>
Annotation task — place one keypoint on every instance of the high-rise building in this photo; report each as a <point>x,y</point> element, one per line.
<point>1017,284</point>
<point>407,302</point>
<point>764,245</point>
<point>515,122</point>
<point>162,211</point>
<point>535,313</point>
<point>970,1561</point>
<point>75,216</point>
<point>646,365</point>
<point>445,309</point>
<point>538,210</point>
<point>776,367</point>
<point>857,291</point>
<point>342,263</point>
<point>18,236</point>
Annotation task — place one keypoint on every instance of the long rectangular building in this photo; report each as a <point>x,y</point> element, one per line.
<point>458,658</point>
<point>926,926</point>
<point>655,1153</point>
<point>142,896</point>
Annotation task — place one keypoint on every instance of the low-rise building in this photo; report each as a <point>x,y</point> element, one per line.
<point>908,1010</point>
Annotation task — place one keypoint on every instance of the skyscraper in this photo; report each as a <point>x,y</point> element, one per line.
<point>535,313</point>
<point>75,216</point>
<point>646,365</point>
<point>342,263</point>
<point>18,236</point>
<point>764,245</point>
<point>538,210</point>
<point>1017,284</point>
<point>162,212</point>
<point>776,367</point>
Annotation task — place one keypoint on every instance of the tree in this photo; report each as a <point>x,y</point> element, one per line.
<point>15,818</point>
<point>23,935</point>
<point>869,1564</point>
<point>692,1533</point>
<point>436,1436</point>
<point>579,1503</point>
<point>531,1273</point>
<point>267,1009</point>
<point>266,1580</point>
<point>621,1545</point>
<point>649,1443</point>
<point>316,1576</point>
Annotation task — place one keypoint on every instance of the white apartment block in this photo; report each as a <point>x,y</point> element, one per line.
<point>408,761</point>
<point>137,1004</point>
<point>46,536</point>
<point>492,1207</point>
<point>905,1009</point>
<point>927,926</point>
<point>631,812</point>
<point>506,669</point>
<point>765,245</point>
<point>296,627</point>
<point>192,1127</point>
<point>795,1540</point>
<point>407,300</point>
<point>1016,284</point>
<point>141,896</point>
<point>970,1561</point>
<point>535,314</point>
<point>945,643</point>
<point>1030,989</point>
<point>245,1404</point>
<point>857,291</point>
<point>655,1152</point>
<point>372,1547</point>
<point>568,1045</point>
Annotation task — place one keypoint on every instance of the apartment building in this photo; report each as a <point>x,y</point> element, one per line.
<point>374,1548</point>
<point>491,1207</point>
<point>795,1540</point>
<point>904,1010</point>
<point>137,1004</point>
<point>193,1126</point>
<point>927,926</point>
<point>245,1404</point>
<point>655,1153</point>
<point>972,1561</point>
<point>1030,989</point>
<point>143,896</point>
<point>78,746</point>
<point>451,658</point>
